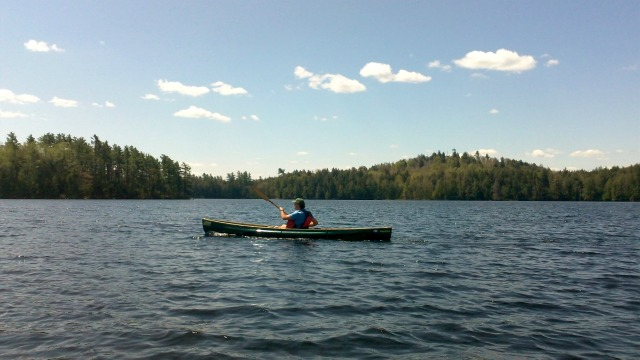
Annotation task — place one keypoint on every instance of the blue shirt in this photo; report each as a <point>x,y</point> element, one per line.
<point>298,217</point>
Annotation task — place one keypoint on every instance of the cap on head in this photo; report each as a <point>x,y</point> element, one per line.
<point>299,201</point>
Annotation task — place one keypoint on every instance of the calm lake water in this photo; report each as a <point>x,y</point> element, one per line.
<point>459,280</point>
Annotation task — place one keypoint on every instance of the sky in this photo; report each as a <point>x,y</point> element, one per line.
<point>259,86</point>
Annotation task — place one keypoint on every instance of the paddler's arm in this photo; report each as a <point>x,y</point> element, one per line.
<point>283,214</point>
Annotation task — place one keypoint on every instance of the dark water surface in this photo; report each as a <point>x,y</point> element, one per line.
<point>459,280</point>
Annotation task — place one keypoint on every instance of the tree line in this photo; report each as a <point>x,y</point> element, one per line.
<point>61,166</point>
<point>460,177</point>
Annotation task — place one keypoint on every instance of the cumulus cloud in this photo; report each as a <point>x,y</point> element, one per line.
<point>198,113</point>
<point>484,152</point>
<point>591,153</point>
<point>378,71</point>
<point>11,114</point>
<point>302,153</point>
<point>411,77</point>
<point>552,62</point>
<point>178,87</point>
<point>10,97</point>
<point>302,73</point>
<point>226,89</point>
<point>151,97</point>
<point>437,65</point>
<point>501,60</point>
<point>547,153</point>
<point>336,83</point>
<point>41,46</point>
<point>66,103</point>
<point>494,111</point>
<point>384,74</point>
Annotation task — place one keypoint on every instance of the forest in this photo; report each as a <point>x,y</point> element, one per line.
<point>65,167</point>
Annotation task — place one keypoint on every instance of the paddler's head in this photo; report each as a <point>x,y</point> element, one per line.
<point>298,203</point>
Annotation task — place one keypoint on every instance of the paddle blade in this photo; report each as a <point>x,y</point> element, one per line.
<point>264,196</point>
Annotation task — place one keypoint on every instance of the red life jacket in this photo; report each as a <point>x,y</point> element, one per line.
<point>305,225</point>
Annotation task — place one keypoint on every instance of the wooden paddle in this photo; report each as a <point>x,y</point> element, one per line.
<point>265,197</point>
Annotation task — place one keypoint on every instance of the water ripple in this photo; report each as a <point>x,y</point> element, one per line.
<point>136,279</point>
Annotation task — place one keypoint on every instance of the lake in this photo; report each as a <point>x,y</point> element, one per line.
<point>459,280</point>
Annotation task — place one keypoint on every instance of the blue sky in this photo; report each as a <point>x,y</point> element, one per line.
<point>255,86</point>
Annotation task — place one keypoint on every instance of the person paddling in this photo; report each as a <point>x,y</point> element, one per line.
<point>301,218</point>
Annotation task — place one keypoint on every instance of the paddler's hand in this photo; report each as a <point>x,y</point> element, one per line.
<point>281,209</point>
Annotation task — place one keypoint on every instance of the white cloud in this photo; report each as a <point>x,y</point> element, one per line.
<point>197,113</point>
<point>547,153</point>
<point>66,103</point>
<point>151,97</point>
<point>394,146</point>
<point>11,115</point>
<point>336,83</point>
<point>384,74</point>
<point>302,73</point>
<point>333,82</point>
<point>302,153</point>
<point>175,86</point>
<point>10,97</point>
<point>378,71</point>
<point>437,65</point>
<point>107,104</point>
<point>494,111</point>
<point>405,76</point>
<point>226,89</point>
<point>41,46</point>
<point>501,60</point>
<point>490,152</point>
<point>251,117</point>
<point>552,62</point>
<point>591,153</point>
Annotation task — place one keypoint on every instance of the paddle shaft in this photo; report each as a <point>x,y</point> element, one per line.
<point>265,198</point>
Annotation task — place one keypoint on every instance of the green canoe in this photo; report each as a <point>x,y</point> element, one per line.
<point>212,227</point>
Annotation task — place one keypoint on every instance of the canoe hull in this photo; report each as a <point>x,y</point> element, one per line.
<point>212,226</point>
